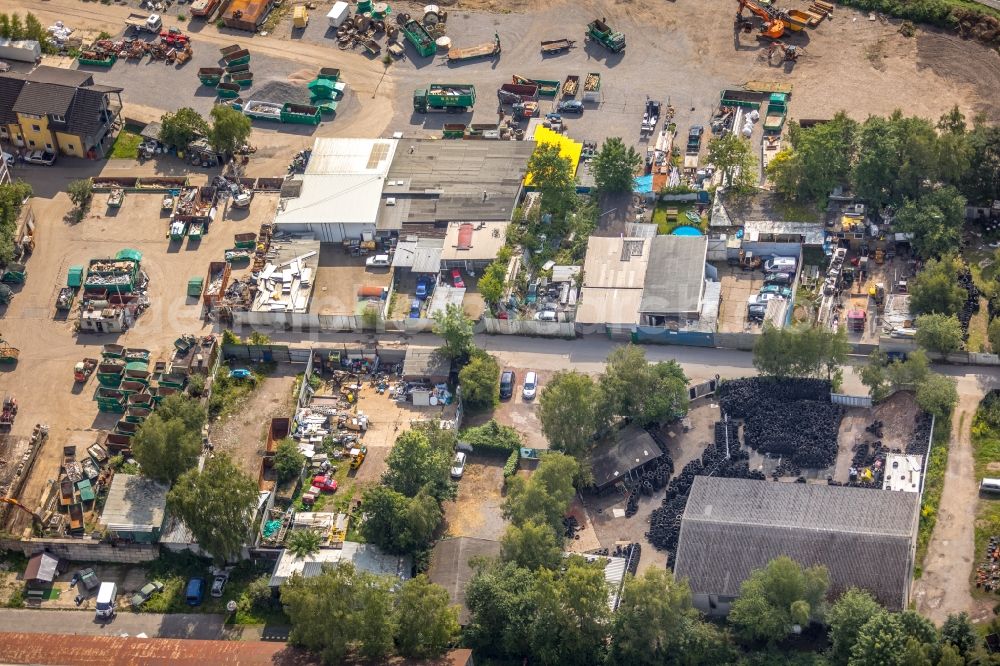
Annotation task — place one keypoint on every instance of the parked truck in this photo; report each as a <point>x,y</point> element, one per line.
<point>777,109</point>
<point>484,50</point>
<point>745,98</point>
<point>418,36</point>
<point>22,50</point>
<point>609,38</point>
<point>144,23</point>
<point>450,97</point>
<point>592,87</point>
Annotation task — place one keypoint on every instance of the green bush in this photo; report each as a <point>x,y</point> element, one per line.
<point>510,469</point>
<point>492,436</point>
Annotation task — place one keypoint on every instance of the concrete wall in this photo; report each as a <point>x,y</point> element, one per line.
<point>85,550</point>
<point>548,329</point>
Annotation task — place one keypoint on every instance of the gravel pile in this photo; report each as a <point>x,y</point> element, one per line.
<point>280,92</point>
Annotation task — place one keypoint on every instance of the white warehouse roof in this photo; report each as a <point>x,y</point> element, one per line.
<point>342,183</point>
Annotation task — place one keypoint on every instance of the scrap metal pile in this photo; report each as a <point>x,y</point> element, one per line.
<point>724,458</point>
<point>971,305</point>
<point>988,571</point>
<point>791,418</point>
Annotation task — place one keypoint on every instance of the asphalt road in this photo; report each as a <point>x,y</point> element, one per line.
<point>197,626</point>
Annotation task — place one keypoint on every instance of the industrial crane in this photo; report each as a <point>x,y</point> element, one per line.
<point>773,24</point>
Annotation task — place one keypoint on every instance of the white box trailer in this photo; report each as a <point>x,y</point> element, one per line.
<point>338,14</point>
<point>24,50</point>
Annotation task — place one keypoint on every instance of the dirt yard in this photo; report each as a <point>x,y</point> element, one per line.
<point>42,380</point>
<point>242,430</point>
<point>898,415</point>
<point>477,512</point>
<point>519,413</point>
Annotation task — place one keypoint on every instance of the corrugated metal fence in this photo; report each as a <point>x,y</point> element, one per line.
<point>851,400</point>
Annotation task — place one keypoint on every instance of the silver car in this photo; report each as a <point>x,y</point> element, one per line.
<point>458,465</point>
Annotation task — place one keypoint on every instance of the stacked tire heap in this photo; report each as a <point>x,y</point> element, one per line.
<point>791,418</point>
<point>868,463</point>
<point>653,479</point>
<point>665,521</point>
<point>971,306</point>
<point>920,442</point>
<point>631,553</point>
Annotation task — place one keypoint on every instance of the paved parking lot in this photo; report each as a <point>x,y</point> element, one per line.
<point>338,278</point>
<point>737,287</point>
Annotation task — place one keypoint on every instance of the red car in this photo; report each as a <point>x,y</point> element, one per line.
<point>325,483</point>
<point>456,278</point>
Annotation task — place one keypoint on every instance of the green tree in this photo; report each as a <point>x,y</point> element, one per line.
<point>954,150</point>
<point>288,460</point>
<point>34,30</point>
<point>939,333</point>
<point>937,395</point>
<point>993,333</point>
<point>502,609</point>
<point>572,614</point>
<point>649,393</point>
<point>456,330</point>
<point>189,411</point>
<point>778,596</point>
<point>12,198</point>
<point>165,449</point>
<point>811,351</point>
<point>303,542</point>
<point>375,621</point>
<point>426,622</point>
<point>908,374</point>
<point>959,632</point>
<point>417,463</point>
<point>217,504</point>
<point>230,129</point>
<point>654,622</point>
<point>895,639</point>
<point>950,656</point>
<point>819,161</point>
<point>323,611</point>
<point>81,193</point>
<point>491,283</point>
<point>396,523</point>
<point>552,175</point>
<point>896,156</point>
<point>615,166</point>
<point>732,155</point>
<point>545,496</point>
<point>180,128</point>
<point>935,220</point>
<point>847,615</point>
<point>16,27</point>
<point>568,410</point>
<point>981,182</point>
<point>936,289</point>
<point>873,375</point>
<point>492,435</point>
<point>532,545</point>
<point>479,381</point>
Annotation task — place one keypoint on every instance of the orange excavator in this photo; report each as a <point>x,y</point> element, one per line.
<point>13,502</point>
<point>773,24</point>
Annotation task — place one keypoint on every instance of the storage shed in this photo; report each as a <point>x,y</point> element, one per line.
<point>617,459</point>
<point>424,364</point>
<point>865,537</point>
<point>42,570</point>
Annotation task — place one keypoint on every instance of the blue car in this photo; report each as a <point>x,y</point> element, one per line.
<point>415,309</point>
<point>194,594</point>
<point>423,288</point>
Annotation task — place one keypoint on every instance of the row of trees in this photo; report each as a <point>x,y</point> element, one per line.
<point>13,27</point>
<point>560,616</point>
<point>811,351</point>
<point>925,171</point>
<point>12,198</point>
<point>734,157</point>
<point>574,407</point>
<point>936,394</point>
<point>343,610</point>
<point>216,503</point>
<point>227,133</point>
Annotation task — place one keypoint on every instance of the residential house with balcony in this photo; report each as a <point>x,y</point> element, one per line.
<point>59,110</point>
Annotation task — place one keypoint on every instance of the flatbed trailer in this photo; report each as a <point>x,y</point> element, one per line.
<point>554,46</point>
<point>484,50</point>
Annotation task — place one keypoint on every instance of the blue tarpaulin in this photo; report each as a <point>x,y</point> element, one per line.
<point>643,184</point>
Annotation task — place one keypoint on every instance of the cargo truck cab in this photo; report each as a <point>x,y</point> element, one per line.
<point>107,597</point>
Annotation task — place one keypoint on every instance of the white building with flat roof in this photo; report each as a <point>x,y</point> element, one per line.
<point>339,195</point>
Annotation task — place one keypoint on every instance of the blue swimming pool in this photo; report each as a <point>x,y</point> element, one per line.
<point>686,231</point>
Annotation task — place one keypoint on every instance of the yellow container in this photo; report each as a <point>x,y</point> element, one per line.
<point>300,17</point>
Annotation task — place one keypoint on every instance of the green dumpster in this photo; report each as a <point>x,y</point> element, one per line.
<point>75,277</point>
<point>195,286</point>
<point>129,253</point>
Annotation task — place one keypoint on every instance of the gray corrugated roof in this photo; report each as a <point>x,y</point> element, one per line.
<point>11,84</point>
<point>733,526</point>
<point>675,275</point>
<point>424,362</point>
<point>631,448</point>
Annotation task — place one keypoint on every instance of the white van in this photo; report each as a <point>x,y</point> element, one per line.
<point>990,486</point>
<point>107,595</point>
<point>780,265</point>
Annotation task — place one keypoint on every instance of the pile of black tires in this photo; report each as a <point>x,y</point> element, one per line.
<point>791,418</point>
<point>665,521</point>
<point>971,306</point>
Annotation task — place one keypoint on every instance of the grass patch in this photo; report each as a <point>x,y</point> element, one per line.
<point>665,225</point>
<point>933,485</point>
<point>229,392</point>
<point>978,325</point>
<point>126,146</point>
<point>175,569</point>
